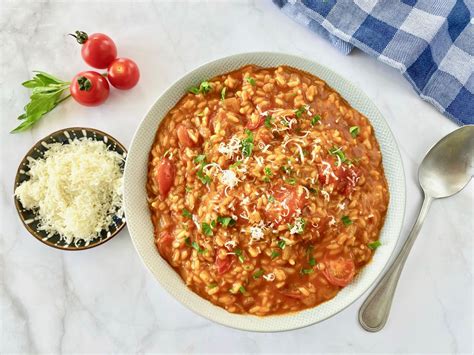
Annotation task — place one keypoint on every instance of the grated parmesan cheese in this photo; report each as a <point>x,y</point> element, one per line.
<point>76,189</point>
<point>230,148</point>
<point>269,277</point>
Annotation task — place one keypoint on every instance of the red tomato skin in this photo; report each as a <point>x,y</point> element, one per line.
<point>123,73</point>
<point>164,243</point>
<point>349,270</point>
<point>183,137</point>
<point>96,95</point>
<point>292,200</point>
<point>99,51</point>
<point>223,265</point>
<point>165,173</point>
<point>254,125</point>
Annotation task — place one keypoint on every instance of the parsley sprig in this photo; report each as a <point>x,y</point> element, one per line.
<point>47,92</point>
<point>203,88</point>
<point>204,178</point>
<point>247,144</point>
<point>338,152</point>
<point>299,112</point>
<point>251,81</point>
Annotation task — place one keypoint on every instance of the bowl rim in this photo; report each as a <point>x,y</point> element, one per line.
<point>379,119</point>
<point>32,231</point>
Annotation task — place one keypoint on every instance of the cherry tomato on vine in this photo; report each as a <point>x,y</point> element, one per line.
<point>123,73</point>
<point>89,88</point>
<point>98,50</point>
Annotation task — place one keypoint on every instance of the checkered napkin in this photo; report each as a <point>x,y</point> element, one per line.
<point>430,41</point>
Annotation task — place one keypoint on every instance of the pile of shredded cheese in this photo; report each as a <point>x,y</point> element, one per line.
<point>76,189</point>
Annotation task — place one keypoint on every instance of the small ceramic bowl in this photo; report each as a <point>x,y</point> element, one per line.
<point>29,217</point>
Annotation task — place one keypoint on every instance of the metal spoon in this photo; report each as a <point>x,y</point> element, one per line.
<point>446,169</point>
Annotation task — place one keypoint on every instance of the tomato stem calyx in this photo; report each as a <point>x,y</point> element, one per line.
<point>84,83</point>
<point>80,36</point>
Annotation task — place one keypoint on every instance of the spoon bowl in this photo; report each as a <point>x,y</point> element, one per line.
<point>448,166</point>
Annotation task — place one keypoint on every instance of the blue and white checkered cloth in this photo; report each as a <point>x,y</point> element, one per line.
<point>430,41</point>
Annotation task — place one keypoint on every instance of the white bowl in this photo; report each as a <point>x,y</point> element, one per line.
<point>141,227</point>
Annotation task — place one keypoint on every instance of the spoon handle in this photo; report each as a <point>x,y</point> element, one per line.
<point>375,310</point>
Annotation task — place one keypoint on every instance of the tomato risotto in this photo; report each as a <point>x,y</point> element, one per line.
<point>267,191</point>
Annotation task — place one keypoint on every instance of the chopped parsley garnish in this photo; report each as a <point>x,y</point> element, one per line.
<point>226,221</point>
<point>315,119</point>
<point>346,220</point>
<point>271,199</point>
<point>313,190</point>
<point>374,245</point>
<point>196,246</point>
<point>205,179</point>
<point>236,164</point>
<point>266,179</point>
<point>239,255</point>
<point>354,131</point>
<point>275,254</point>
<point>203,88</point>
<point>300,111</point>
<point>282,244</point>
<point>206,229</point>
<point>213,224</point>
<point>247,144</point>
<point>242,289</point>
<point>312,261</point>
<point>188,189</point>
<point>291,181</point>
<point>200,159</point>
<point>298,227</point>
<point>213,285</point>
<point>257,274</point>
<point>224,89</point>
<point>251,81</point>
<point>268,121</point>
<point>307,271</point>
<point>186,213</point>
<point>284,122</point>
<point>268,172</point>
<point>339,153</point>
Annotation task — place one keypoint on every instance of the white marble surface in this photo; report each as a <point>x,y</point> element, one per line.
<point>103,300</point>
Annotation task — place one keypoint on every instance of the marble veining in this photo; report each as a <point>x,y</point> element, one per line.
<point>103,300</point>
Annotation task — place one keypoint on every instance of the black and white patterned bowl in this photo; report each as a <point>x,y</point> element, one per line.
<point>29,217</point>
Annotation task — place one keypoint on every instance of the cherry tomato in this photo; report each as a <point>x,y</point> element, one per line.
<point>223,265</point>
<point>98,50</point>
<point>165,173</point>
<point>89,88</point>
<point>123,73</point>
<point>348,178</point>
<point>339,271</point>
<point>219,117</point>
<point>254,124</point>
<point>287,197</point>
<point>183,137</point>
<point>164,243</point>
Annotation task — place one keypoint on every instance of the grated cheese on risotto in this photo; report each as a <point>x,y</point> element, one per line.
<point>75,189</point>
